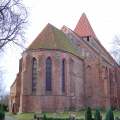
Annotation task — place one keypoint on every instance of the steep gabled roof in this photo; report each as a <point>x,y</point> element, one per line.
<point>83,27</point>
<point>53,38</point>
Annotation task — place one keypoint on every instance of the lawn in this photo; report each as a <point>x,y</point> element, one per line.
<point>22,116</point>
<point>79,115</point>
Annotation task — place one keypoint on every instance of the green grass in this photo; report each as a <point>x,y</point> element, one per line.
<point>80,115</point>
<point>22,116</point>
<point>65,114</point>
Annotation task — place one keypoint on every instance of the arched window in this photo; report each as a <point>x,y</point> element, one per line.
<point>34,75</point>
<point>89,79</point>
<point>63,75</point>
<point>72,82</point>
<point>48,74</point>
<point>103,72</point>
<point>106,73</point>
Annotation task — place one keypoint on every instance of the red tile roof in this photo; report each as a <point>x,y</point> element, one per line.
<point>83,27</point>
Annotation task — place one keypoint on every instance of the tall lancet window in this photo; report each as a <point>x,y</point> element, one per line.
<point>63,75</point>
<point>106,73</point>
<point>34,75</point>
<point>48,74</point>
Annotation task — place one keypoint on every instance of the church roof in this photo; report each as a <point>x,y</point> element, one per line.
<point>83,27</point>
<point>53,38</point>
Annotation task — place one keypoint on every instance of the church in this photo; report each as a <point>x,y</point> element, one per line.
<point>65,69</point>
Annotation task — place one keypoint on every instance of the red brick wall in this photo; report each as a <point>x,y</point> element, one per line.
<point>97,87</point>
<point>56,100</point>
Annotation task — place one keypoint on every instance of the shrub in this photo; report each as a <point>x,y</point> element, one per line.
<point>44,117</point>
<point>5,107</point>
<point>109,114</point>
<point>88,114</point>
<point>2,113</point>
<point>97,115</point>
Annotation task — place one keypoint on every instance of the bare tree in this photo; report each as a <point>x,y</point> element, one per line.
<point>13,16</point>
<point>116,49</point>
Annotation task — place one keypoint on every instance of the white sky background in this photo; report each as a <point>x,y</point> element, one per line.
<point>104,16</point>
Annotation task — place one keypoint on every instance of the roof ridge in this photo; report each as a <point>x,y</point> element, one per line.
<point>53,33</point>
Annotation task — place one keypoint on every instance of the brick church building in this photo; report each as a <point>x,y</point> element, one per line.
<point>65,69</point>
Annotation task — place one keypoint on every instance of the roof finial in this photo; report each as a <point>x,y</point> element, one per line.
<point>83,14</point>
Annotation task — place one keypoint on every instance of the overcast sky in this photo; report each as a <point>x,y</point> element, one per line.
<point>103,15</point>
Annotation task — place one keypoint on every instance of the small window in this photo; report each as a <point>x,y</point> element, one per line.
<point>110,75</point>
<point>88,39</point>
<point>106,73</point>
